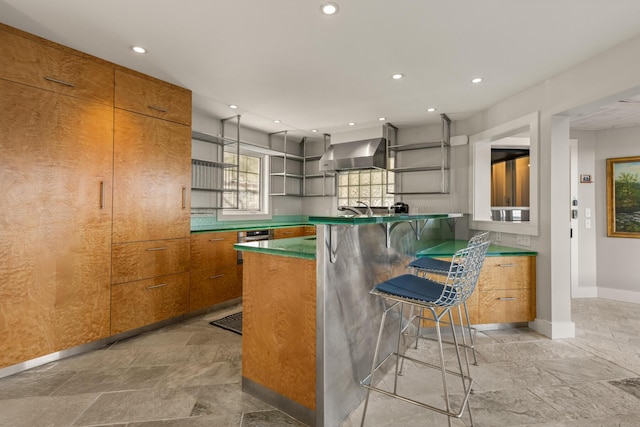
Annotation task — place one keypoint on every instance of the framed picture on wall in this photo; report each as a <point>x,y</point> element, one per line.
<point>623,197</point>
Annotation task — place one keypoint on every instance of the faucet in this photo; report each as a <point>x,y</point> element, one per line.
<point>369,210</point>
<point>349,209</point>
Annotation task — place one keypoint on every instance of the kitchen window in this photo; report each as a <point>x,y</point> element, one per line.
<point>369,186</point>
<point>251,183</point>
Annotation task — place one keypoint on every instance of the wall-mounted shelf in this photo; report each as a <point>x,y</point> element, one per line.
<point>426,172</point>
<point>212,179</point>
<point>316,183</point>
<point>286,172</point>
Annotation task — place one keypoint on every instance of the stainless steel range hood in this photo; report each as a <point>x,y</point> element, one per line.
<point>365,154</point>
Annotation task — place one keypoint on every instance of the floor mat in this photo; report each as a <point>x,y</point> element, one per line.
<point>232,323</point>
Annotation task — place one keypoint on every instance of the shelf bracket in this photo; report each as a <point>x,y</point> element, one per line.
<point>415,225</point>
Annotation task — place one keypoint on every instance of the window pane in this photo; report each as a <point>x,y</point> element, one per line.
<point>249,186</point>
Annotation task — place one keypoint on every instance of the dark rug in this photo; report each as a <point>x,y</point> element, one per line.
<point>232,322</point>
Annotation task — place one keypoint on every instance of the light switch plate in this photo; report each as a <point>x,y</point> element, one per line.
<point>587,213</point>
<point>523,240</point>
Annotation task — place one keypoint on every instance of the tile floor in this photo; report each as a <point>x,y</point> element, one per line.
<point>189,374</point>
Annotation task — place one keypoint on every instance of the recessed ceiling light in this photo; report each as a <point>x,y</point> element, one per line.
<point>431,109</point>
<point>476,80</point>
<point>276,121</point>
<point>329,8</point>
<point>314,130</point>
<point>234,106</point>
<point>138,49</point>
<point>382,119</point>
<point>397,76</point>
<point>352,124</point>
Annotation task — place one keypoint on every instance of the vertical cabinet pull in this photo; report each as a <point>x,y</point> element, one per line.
<point>62,82</point>
<point>101,194</point>
<point>184,197</point>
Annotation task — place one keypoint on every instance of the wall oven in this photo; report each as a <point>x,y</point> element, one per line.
<point>253,236</point>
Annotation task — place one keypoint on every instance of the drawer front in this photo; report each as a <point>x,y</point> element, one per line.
<point>209,287</point>
<point>284,233</point>
<point>152,98</point>
<point>507,273</point>
<point>144,302</point>
<point>36,64</point>
<point>143,260</point>
<point>211,250</point>
<point>503,306</point>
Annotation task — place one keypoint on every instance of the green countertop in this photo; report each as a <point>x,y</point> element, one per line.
<point>295,247</point>
<point>377,219</point>
<point>240,226</point>
<point>448,248</point>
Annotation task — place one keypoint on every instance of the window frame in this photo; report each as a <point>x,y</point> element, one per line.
<point>230,214</point>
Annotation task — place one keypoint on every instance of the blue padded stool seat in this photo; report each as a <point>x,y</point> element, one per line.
<point>414,287</point>
<point>431,264</point>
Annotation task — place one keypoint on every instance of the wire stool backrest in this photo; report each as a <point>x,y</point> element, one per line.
<point>463,275</point>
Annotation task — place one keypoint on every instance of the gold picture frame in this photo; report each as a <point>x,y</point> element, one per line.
<point>623,197</point>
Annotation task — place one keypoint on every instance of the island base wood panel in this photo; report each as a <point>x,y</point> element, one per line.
<point>144,302</point>
<point>279,325</point>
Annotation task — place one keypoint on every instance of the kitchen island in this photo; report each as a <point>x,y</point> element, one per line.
<point>309,323</point>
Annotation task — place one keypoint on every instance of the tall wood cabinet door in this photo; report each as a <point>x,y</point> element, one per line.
<point>55,221</point>
<point>152,178</point>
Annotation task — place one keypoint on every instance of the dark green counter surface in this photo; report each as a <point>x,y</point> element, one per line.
<point>250,225</point>
<point>295,247</point>
<point>448,248</point>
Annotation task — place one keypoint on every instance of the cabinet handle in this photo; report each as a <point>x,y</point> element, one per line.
<point>217,239</point>
<point>184,197</point>
<point>506,265</point>
<point>157,249</point>
<point>217,276</point>
<point>156,286</point>
<point>154,107</point>
<point>62,82</point>
<point>101,194</point>
<point>507,299</point>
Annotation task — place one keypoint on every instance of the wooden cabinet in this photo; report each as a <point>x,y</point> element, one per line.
<point>35,62</point>
<point>141,260</point>
<point>506,290</point>
<point>143,95</point>
<point>283,233</point>
<point>55,186</point>
<point>144,302</point>
<point>215,274</point>
<point>152,178</point>
<point>309,230</point>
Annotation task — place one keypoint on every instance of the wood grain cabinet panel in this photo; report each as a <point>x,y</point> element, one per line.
<point>27,61</point>
<point>152,97</point>
<point>505,306</point>
<point>55,186</point>
<point>152,179</point>
<point>284,233</point>
<point>506,273</point>
<point>213,249</point>
<point>309,230</point>
<point>140,303</point>
<point>142,260</point>
<point>213,286</point>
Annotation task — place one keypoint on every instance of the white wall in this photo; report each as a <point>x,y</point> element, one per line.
<point>617,257</point>
<point>602,78</point>
<point>587,258</point>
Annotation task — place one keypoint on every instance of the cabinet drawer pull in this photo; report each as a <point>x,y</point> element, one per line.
<point>101,194</point>
<point>154,107</point>
<point>217,239</point>
<point>157,249</point>
<point>217,276</point>
<point>506,265</point>
<point>156,286</point>
<point>62,82</point>
<point>507,299</point>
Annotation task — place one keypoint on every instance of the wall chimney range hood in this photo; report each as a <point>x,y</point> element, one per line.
<point>354,155</point>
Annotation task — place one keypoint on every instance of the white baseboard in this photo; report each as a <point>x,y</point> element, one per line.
<point>619,295</point>
<point>590,292</point>
<point>554,330</point>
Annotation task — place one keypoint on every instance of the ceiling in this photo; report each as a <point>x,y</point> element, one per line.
<point>284,60</point>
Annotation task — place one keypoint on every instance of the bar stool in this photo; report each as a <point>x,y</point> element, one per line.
<point>424,266</point>
<point>437,297</point>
